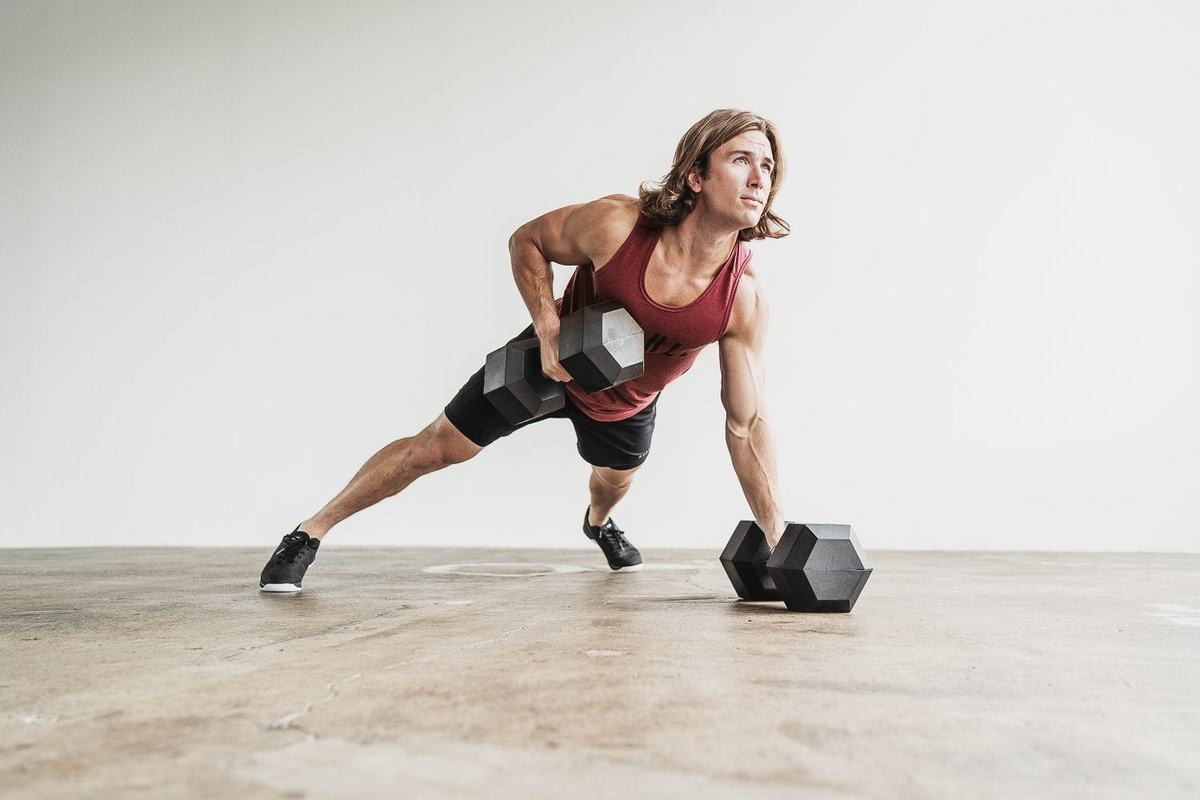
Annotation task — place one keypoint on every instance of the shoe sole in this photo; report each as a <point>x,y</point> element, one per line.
<point>630,568</point>
<point>278,587</point>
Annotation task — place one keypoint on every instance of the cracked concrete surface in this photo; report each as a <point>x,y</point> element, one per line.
<point>521,673</point>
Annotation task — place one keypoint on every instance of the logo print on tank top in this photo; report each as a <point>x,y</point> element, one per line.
<point>658,344</point>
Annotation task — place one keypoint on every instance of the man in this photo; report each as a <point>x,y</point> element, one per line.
<point>676,259</point>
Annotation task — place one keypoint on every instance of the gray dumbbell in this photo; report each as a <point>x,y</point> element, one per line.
<point>600,345</point>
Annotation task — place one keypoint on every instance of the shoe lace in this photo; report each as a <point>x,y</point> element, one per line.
<point>292,546</point>
<point>613,536</point>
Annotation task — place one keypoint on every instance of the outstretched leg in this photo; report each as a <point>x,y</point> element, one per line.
<point>392,469</point>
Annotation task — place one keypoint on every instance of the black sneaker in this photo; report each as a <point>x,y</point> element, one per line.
<point>286,567</point>
<point>621,555</point>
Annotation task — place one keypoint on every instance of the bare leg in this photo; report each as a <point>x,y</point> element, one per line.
<point>392,469</point>
<point>607,486</point>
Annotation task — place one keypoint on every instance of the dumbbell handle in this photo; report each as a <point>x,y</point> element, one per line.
<point>554,335</point>
<point>536,342</point>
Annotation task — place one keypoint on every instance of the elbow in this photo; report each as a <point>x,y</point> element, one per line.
<point>518,238</point>
<point>744,427</point>
<point>737,428</point>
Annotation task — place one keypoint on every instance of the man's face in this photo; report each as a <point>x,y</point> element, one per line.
<point>741,168</point>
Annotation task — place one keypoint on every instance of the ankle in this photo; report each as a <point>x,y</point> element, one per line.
<point>594,524</point>
<point>315,530</point>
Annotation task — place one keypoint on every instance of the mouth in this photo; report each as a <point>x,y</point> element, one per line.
<point>754,200</point>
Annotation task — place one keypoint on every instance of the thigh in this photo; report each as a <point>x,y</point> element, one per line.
<point>476,418</point>
<point>624,444</point>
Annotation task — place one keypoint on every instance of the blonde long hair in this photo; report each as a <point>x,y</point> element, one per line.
<point>671,199</point>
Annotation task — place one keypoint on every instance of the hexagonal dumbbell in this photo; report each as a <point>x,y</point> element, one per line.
<point>600,345</point>
<point>818,567</point>
<point>813,568</point>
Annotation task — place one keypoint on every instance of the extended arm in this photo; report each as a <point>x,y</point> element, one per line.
<point>743,377</point>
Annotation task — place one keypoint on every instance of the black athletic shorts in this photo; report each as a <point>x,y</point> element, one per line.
<point>617,445</point>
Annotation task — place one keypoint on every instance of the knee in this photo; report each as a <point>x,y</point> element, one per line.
<point>616,478</point>
<point>440,445</point>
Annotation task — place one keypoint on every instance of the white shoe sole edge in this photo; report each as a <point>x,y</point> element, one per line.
<point>633,568</point>
<point>279,587</point>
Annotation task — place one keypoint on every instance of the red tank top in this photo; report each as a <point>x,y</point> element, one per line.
<point>674,335</point>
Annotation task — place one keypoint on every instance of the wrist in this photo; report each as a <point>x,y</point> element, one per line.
<point>774,530</point>
<point>546,322</point>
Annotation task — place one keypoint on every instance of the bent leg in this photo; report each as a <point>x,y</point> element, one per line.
<point>392,469</point>
<point>615,451</point>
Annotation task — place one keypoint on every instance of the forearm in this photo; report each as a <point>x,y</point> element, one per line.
<point>535,281</point>
<point>752,451</point>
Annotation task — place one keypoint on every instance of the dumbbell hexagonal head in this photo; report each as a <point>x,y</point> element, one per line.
<point>601,345</point>
<point>819,567</point>
<point>514,383</point>
<point>745,562</point>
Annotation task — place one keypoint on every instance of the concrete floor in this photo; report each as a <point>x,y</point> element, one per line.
<point>165,673</point>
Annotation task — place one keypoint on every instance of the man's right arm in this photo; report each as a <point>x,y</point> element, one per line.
<point>571,236</point>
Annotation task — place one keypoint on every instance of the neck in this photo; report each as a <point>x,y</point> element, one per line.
<point>697,245</point>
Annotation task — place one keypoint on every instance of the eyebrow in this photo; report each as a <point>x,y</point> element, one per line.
<point>748,153</point>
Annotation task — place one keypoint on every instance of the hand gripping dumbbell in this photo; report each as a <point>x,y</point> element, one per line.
<point>815,567</point>
<point>599,345</point>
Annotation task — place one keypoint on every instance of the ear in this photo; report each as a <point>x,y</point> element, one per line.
<point>693,178</point>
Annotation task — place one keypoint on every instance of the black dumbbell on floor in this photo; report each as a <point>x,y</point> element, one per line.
<point>815,567</point>
<point>600,345</point>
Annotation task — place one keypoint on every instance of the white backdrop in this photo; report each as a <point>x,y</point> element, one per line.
<point>244,245</point>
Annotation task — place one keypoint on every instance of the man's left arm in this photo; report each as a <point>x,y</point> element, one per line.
<point>747,434</point>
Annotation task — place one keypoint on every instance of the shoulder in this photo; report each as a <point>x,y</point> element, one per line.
<point>610,211</point>
<point>621,202</point>
<point>618,212</point>
<point>612,219</point>
<point>748,317</point>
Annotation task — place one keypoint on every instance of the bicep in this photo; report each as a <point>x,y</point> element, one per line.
<point>569,235</point>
